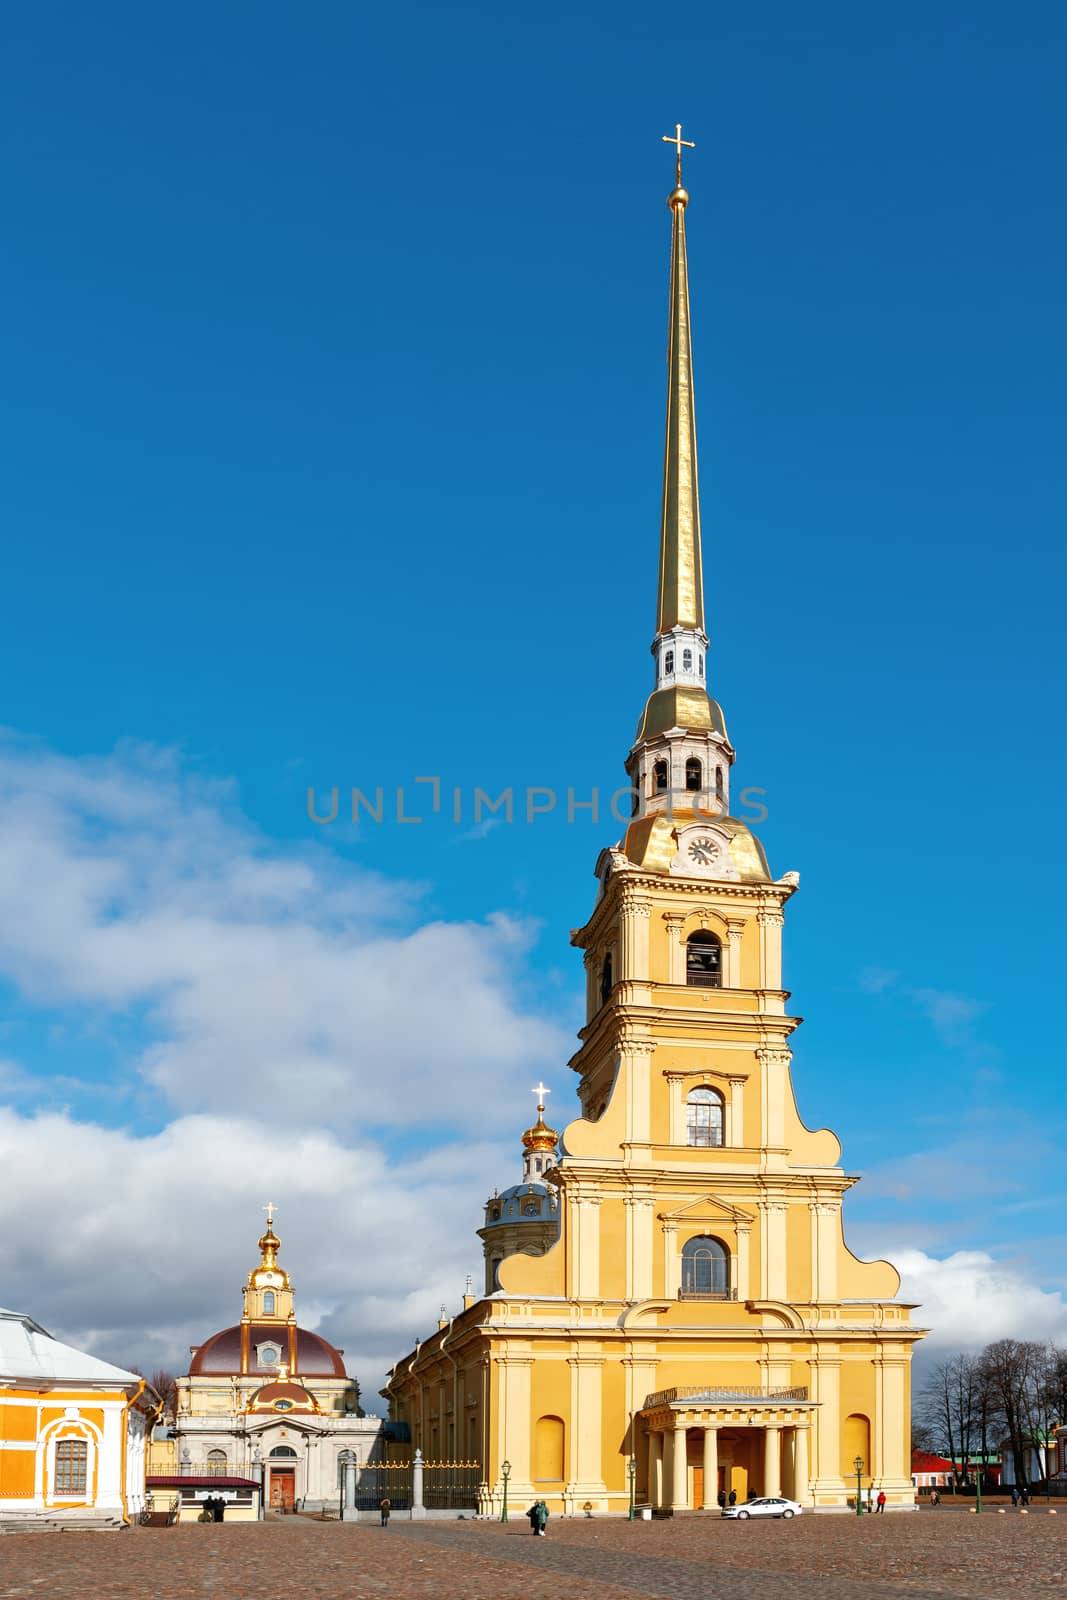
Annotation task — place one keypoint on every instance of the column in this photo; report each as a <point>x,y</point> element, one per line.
<point>711,1468</point>
<point>740,1283</point>
<point>675,947</point>
<point>639,1214</point>
<point>672,1265</point>
<point>513,1419</point>
<point>585,1222</point>
<point>655,1469</point>
<point>735,1128</point>
<point>418,1509</point>
<point>349,1513</point>
<point>679,1469</point>
<point>586,1473</point>
<point>801,1490</point>
<point>668,1467</point>
<point>732,976</point>
<point>635,1073</point>
<point>772,1461</point>
<point>770,925</point>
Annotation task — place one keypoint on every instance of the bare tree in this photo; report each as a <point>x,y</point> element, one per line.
<point>949,1410</point>
<point>1013,1369</point>
<point>166,1386</point>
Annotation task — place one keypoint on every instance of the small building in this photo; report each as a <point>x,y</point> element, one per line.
<point>266,1407</point>
<point>72,1433</point>
<point>931,1472</point>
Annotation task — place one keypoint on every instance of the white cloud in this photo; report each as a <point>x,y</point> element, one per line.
<point>136,1246</point>
<point>968,1299</point>
<point>267,976</point>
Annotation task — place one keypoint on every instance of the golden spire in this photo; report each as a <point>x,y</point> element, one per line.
<point>681,579</point>
<point>540,1136</point>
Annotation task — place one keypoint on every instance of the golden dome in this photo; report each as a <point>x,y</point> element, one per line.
<point>540,1136</point>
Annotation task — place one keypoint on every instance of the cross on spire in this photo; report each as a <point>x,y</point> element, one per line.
<point>540,1092</point>
<point>676,139</point>
<point>270,1208</point>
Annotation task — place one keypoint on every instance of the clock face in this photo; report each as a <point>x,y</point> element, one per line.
<point>269,1277</point>
<point>704,851</point>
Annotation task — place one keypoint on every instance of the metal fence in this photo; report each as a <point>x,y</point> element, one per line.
<point>451,1485</point>
<point>384,1481</point>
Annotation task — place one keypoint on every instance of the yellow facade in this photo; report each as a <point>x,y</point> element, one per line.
<point>700,1326</point>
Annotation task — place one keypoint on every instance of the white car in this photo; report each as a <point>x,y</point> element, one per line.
<point>766,1506</point>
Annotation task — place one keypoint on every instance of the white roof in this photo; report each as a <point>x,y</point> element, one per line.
<point>27,1351</point>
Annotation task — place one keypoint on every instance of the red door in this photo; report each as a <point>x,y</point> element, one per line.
<point>282,1489</point>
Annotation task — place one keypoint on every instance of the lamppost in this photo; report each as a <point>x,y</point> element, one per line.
<point>631,1469</point>
<point>978,1485</point>
<point>505,1473</point>
<point>858,1464</point>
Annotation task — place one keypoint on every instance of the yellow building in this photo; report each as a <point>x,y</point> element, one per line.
<point>700,1316</point>
<point>72,1433</point>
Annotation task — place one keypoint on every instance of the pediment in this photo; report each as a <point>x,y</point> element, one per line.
<point>708,1208</point>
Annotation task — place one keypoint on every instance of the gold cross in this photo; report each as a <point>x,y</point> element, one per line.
<point>270,1208</point>
<point>676,139</point>
<point>540,1092</point>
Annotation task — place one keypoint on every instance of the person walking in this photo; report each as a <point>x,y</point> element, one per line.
<point>881,1500</point>
<point>538,1515</point>
<point>722,1499</point>
<point>935,1496</point>
<point>385,1506</point>
<point>1014,1495</point>
<point>732,1498</point>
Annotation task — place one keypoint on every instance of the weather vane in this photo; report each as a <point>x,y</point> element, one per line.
<point>676,139</point>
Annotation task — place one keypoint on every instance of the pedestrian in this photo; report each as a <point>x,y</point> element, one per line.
<point>538,1515</point>
<point>935,1497</point>
<point>1014,1495</point>
<point>733,1497</point>
<point>1024,1494</point>
<point>385,1507</point>
<point>722,1499</point>
<point>881,1500</point>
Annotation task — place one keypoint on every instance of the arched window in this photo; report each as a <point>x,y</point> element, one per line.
<point>668,663</point>
<point>705,1270</point>
<point>694,775</point>
<point>216,1462</point>
<point>607,981</point>
<point>704,1118</point>
<point>720,786</point>
<point>700,663</point>
<point>703,960</point>
<point>660,777</point>
<point>72,1463</point>
<point>855,1441</point>
<point>283,1450</point>
<point>687,660</point>
<point>268,1303</point>
<point>548,1450</point>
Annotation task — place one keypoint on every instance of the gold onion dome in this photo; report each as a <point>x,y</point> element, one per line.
<point>540,1136</point>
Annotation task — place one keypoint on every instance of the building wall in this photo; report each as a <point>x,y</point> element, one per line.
<point>32,1424</point>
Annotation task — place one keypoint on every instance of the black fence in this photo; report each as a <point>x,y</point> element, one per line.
<point>451,1486</point>
<point>384,1481</point>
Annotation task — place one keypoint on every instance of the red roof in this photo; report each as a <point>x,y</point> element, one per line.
<point>191,1480</point>
<point>923,1461</point>
<point>221,1354</point>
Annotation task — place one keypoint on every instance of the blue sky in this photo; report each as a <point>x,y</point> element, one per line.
<point>332,441</point>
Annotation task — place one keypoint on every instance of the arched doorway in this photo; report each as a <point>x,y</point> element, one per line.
<point>281,1489</point>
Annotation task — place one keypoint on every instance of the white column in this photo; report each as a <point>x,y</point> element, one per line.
<point>655,1469</point>
<point>772,1461</point>
<point>741,1284</point>
<point>732,976</point>
<point>680,1469</point>
<point>711,1468</point>
<point>639,1212</point>
<point>675,947</point>
<point>801,1489</point>
<point>418,1509</point>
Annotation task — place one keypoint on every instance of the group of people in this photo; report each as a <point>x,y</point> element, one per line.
<point>1020,1494</point>
<point>538,1515</point>
<point>214,1509</point>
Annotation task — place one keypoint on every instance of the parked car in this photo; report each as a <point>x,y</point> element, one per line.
<point>766,1506</point>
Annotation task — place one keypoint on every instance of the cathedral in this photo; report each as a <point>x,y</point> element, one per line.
<point>265,1404</point>
<point>671,1311</point>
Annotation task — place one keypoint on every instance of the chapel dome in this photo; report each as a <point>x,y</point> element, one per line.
<point>220,1356</point>
<point>540,1136</point>
<point>523,1202</point>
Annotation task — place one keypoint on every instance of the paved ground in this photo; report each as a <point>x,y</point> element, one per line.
<point>942,1554</point>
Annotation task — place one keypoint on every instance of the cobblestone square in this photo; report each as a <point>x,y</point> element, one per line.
<point>945,1554</point>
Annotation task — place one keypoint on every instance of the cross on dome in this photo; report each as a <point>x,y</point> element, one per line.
<point>540,1092</point>
<point>676,139</point>
<point>270,1208</point>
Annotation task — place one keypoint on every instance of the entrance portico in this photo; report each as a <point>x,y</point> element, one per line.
<point>701,1441</point>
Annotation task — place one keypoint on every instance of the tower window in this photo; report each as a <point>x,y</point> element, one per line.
<point>668,663</point>
<point>703,960</point>
<point>704,1118</point>
<point>705,1270</point>
<point>72,1463</point>
<point>694,776</point>
<point>700,663</point>
<point>607,980</point>
<point>719,784</point>
<point>687,660</point>
<point>268,1303</point>
<point>660,777</point>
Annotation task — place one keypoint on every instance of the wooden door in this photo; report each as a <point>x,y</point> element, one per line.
<point>698,1487</point>
<point>282,1489</point>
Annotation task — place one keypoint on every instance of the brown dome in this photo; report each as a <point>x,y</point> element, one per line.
<point>220,1356</point>
<point>282,1397</point>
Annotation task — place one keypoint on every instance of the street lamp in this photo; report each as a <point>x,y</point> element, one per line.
<point>631,1469</point>
<point>505,1473</point>
<point>858,1464</point>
